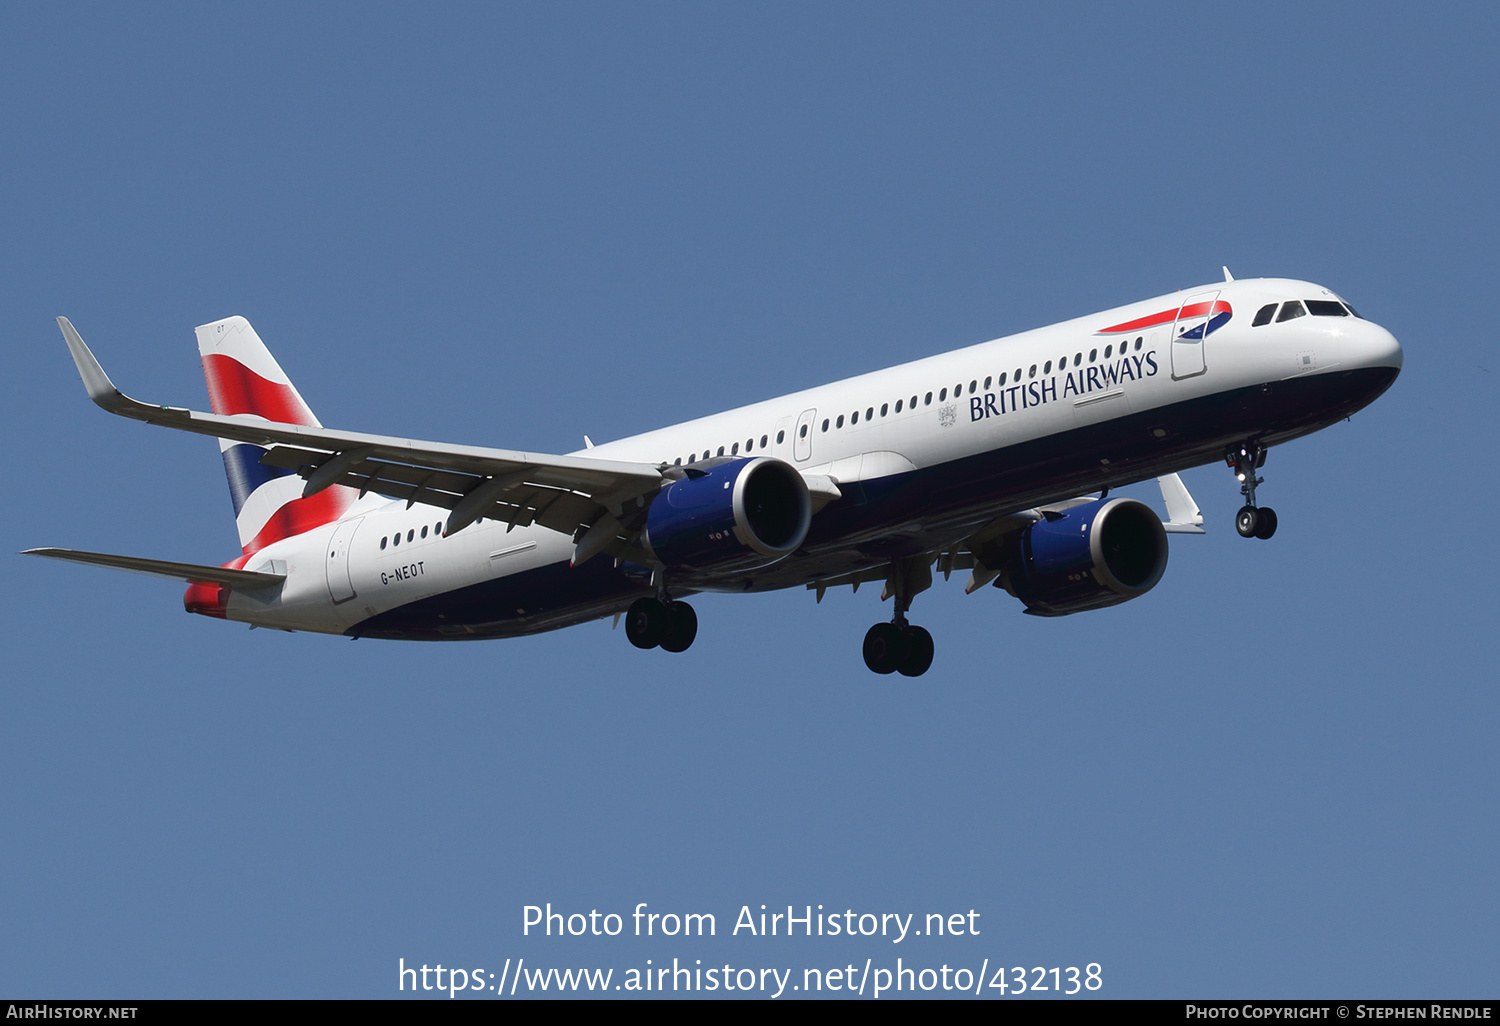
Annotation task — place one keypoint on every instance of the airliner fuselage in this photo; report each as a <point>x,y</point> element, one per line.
<point>953,461</point>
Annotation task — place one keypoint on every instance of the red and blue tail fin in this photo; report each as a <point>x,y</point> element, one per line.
<point>244,378</point>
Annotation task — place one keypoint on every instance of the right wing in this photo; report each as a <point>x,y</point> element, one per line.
<point>569,494</point>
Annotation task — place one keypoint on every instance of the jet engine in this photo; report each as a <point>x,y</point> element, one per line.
<point>1086,557</point>
<point>734,515</point>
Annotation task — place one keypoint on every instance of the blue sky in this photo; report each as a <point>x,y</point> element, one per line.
<point>509,225</point>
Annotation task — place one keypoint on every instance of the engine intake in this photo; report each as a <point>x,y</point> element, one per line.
<point>1098,554</point>
<point>734,515</point>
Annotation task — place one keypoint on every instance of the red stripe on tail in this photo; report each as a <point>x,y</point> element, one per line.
<point>234,388</point>
<point>301,515</point>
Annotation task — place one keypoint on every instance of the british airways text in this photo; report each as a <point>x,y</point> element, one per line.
<point>1076,382</point>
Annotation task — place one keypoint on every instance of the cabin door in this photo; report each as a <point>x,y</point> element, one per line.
<point>340,585</point>
<point>1188,335</point>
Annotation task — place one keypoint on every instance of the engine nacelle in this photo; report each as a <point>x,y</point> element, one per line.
<point>1087,557</point>
<point>735,515</point>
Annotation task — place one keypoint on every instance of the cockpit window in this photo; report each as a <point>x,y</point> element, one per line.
<point>1264,315</point>
<point>1352,310</point>
<point>1326,308</point>
<point>1291,311</point>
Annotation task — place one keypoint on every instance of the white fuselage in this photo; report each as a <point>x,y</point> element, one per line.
<point>1064,385</point>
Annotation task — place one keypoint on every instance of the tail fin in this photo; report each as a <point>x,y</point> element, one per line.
<point>244,378</point>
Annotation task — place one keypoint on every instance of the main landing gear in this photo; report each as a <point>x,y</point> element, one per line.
<point>898,646</point>
<point>1251,521</point>
<point>653,622</point>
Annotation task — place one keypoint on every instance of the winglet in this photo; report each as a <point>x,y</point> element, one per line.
<point>100,388</point>
<point>1184,516</point>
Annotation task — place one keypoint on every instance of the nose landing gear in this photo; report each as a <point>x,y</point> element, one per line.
<point>1251,521</point>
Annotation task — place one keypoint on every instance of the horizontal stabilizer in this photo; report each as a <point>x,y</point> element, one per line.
<point>190,572</point>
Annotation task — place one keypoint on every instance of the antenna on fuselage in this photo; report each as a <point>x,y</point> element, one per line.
<point>1227,276</point>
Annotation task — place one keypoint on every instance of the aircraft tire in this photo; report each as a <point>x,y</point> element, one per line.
<point>919,653</point>
<point>1246,521</point>
<point>885,648</point>
<point>682,627</point>
<point>646,623</point>
<point>1266,523</point>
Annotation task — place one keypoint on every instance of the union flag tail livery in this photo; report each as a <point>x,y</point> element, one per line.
<point>987,459</point>
<point>244,378</point>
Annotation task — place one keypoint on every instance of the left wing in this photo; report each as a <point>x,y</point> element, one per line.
<point>569,494</point>
<point>981,552</point>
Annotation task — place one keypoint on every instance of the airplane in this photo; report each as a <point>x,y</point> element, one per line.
<point>997,459</point>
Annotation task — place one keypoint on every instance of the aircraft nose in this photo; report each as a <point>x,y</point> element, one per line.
<point>1378,347</point>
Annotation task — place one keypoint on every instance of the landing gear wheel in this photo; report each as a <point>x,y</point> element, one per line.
<point>1265,525</point>
<point>646,623</point>
<point>919,653</point>
<point>1251,521</point>
<point>682,627</point>
<point>1247,521</point>
<point>886,648</point>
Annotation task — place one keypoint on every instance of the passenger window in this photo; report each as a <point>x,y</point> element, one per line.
<point>677,462</point>
<point>804,430</point>
<point>382,543</point>
<point>1018,373</point>
<point>928,400</point>
<point>1047,368</point>
<point>869,413</point>
<point>396,538</point>
<point>1093,355</point>
<point>749,444</point>
<point>987,384</point>
<point>1109,351</point>
<point>734,450</point>
<point>424,530</point>
<point>411,535</point>
<point>1291,311</point>
<point>1264,315</point>
<point>913,403</point>
<point>825,423</point>
<point>1030,374</point>
<point>763,440</point>
<point>721,450</point>
<point>1002,378</point>
<point>1326,308</point>
<point>706,454</point>
<point>942,395</point>
<point>898,405</point>
<point>854,417</point>
<point>840,422</point>
<point>1138,342</point>
<point>885,408</point>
